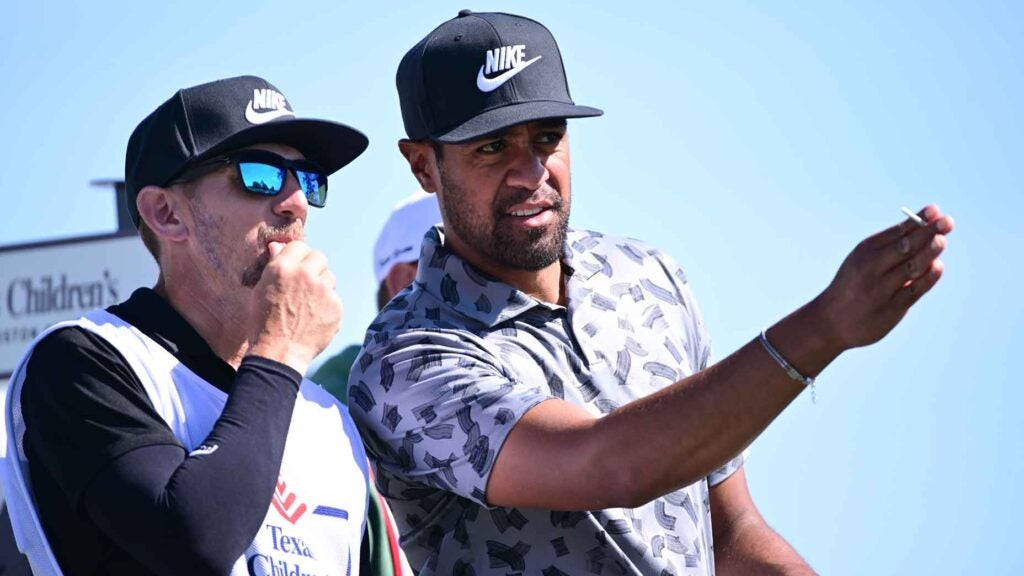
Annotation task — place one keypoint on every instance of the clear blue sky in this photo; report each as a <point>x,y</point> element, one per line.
<point>756,142</point>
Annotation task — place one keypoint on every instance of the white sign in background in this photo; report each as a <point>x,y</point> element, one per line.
<point>42,285</point>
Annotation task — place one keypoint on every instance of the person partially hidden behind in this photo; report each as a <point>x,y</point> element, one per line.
<point>173,433</point>
<point>394,266</point>
<point>395,257</point>
<point>542,400</point>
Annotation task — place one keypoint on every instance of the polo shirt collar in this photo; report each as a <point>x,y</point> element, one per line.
<point>483,298</point>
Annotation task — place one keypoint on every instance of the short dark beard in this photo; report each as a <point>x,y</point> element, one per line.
<point>538,250</point>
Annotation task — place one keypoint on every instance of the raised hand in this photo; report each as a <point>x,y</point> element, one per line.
<point>883,277</point>
<point>295,312</point>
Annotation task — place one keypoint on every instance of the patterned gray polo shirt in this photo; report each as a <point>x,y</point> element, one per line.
<point>452,363</point>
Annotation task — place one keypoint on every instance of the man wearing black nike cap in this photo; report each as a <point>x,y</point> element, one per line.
<point>173,433</point>
<point>542,400</point>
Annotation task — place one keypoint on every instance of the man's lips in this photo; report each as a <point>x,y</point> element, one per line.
<point>528,209</point>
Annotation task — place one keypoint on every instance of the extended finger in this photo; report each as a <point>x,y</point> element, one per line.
<point>893,233</point>
<point>889,235</point>
<point>908,295</point>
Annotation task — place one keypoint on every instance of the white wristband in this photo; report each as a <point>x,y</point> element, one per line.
<point>792,372</point>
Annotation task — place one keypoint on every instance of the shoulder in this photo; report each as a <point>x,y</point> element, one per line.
<point>401,344</point>
<point>70,339</point>
<point>416,317</point>
<point>73,369</point>
<point>439,361</point>
<point>83,406</point>
<point>618,257</point>
<point>71,351</point>
<point>630,276</point>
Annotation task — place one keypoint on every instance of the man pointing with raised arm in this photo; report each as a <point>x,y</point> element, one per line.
<point>540,400</point>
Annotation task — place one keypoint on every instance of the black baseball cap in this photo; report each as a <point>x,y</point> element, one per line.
<point>201,122</point>
<point>482,72</point>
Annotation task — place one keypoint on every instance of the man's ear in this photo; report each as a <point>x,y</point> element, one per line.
<point>422,162</point>
<point>160,209</point>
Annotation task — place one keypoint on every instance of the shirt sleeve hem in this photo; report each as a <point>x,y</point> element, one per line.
<point>500,440</point>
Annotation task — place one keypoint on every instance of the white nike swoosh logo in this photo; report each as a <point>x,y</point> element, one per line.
<point>486,84</point>
<point>255,117</point>
<point>204,450</point>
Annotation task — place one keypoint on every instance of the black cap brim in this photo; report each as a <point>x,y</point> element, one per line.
<point>332,145</point>
<point>498,119</point>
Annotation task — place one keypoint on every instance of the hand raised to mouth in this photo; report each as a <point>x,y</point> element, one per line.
<point>296,312</point>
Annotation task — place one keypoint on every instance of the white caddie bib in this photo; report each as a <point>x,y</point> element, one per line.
<point>315,521</point>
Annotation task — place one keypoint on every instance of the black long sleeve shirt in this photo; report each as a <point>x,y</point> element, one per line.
<point>116,492</point>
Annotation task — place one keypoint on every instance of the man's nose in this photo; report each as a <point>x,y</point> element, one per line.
<point>528,169</point>
<point>292,199</point>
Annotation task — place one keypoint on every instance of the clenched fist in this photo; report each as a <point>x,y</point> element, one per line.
<point>295,312</point>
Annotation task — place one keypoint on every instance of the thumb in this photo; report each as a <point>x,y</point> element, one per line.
<point>275,248</point>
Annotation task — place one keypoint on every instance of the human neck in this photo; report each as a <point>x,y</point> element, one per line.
<point>219,319</point>
<point>545,284</point>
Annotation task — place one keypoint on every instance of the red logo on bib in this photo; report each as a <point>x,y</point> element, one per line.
<point>286,504</point>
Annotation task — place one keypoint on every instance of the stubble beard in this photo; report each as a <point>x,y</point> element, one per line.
<point>538,248</point>
<point>252,274</point>
<point>206,227</point>
<point>211,244</point>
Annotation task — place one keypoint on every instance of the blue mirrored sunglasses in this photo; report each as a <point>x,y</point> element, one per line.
<point>264,173</point>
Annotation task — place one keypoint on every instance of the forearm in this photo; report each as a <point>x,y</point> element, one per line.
<point>685,431</point>
<point>197,513</point>
<point>688,429</point>
<point>661,442</point>
<point>751,547</point>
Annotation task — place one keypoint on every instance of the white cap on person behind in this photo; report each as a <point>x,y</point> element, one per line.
<point>400,239</point>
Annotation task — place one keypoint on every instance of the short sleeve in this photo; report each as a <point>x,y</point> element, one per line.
<point>730,468</point>
<point>435,408</point>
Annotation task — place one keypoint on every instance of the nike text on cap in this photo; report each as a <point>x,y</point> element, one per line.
<point>480,73</point>
<point>201,122</point>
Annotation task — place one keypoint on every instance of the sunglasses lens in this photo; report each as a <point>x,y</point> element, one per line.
<point>261,178</point>
<point>314,185</point>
